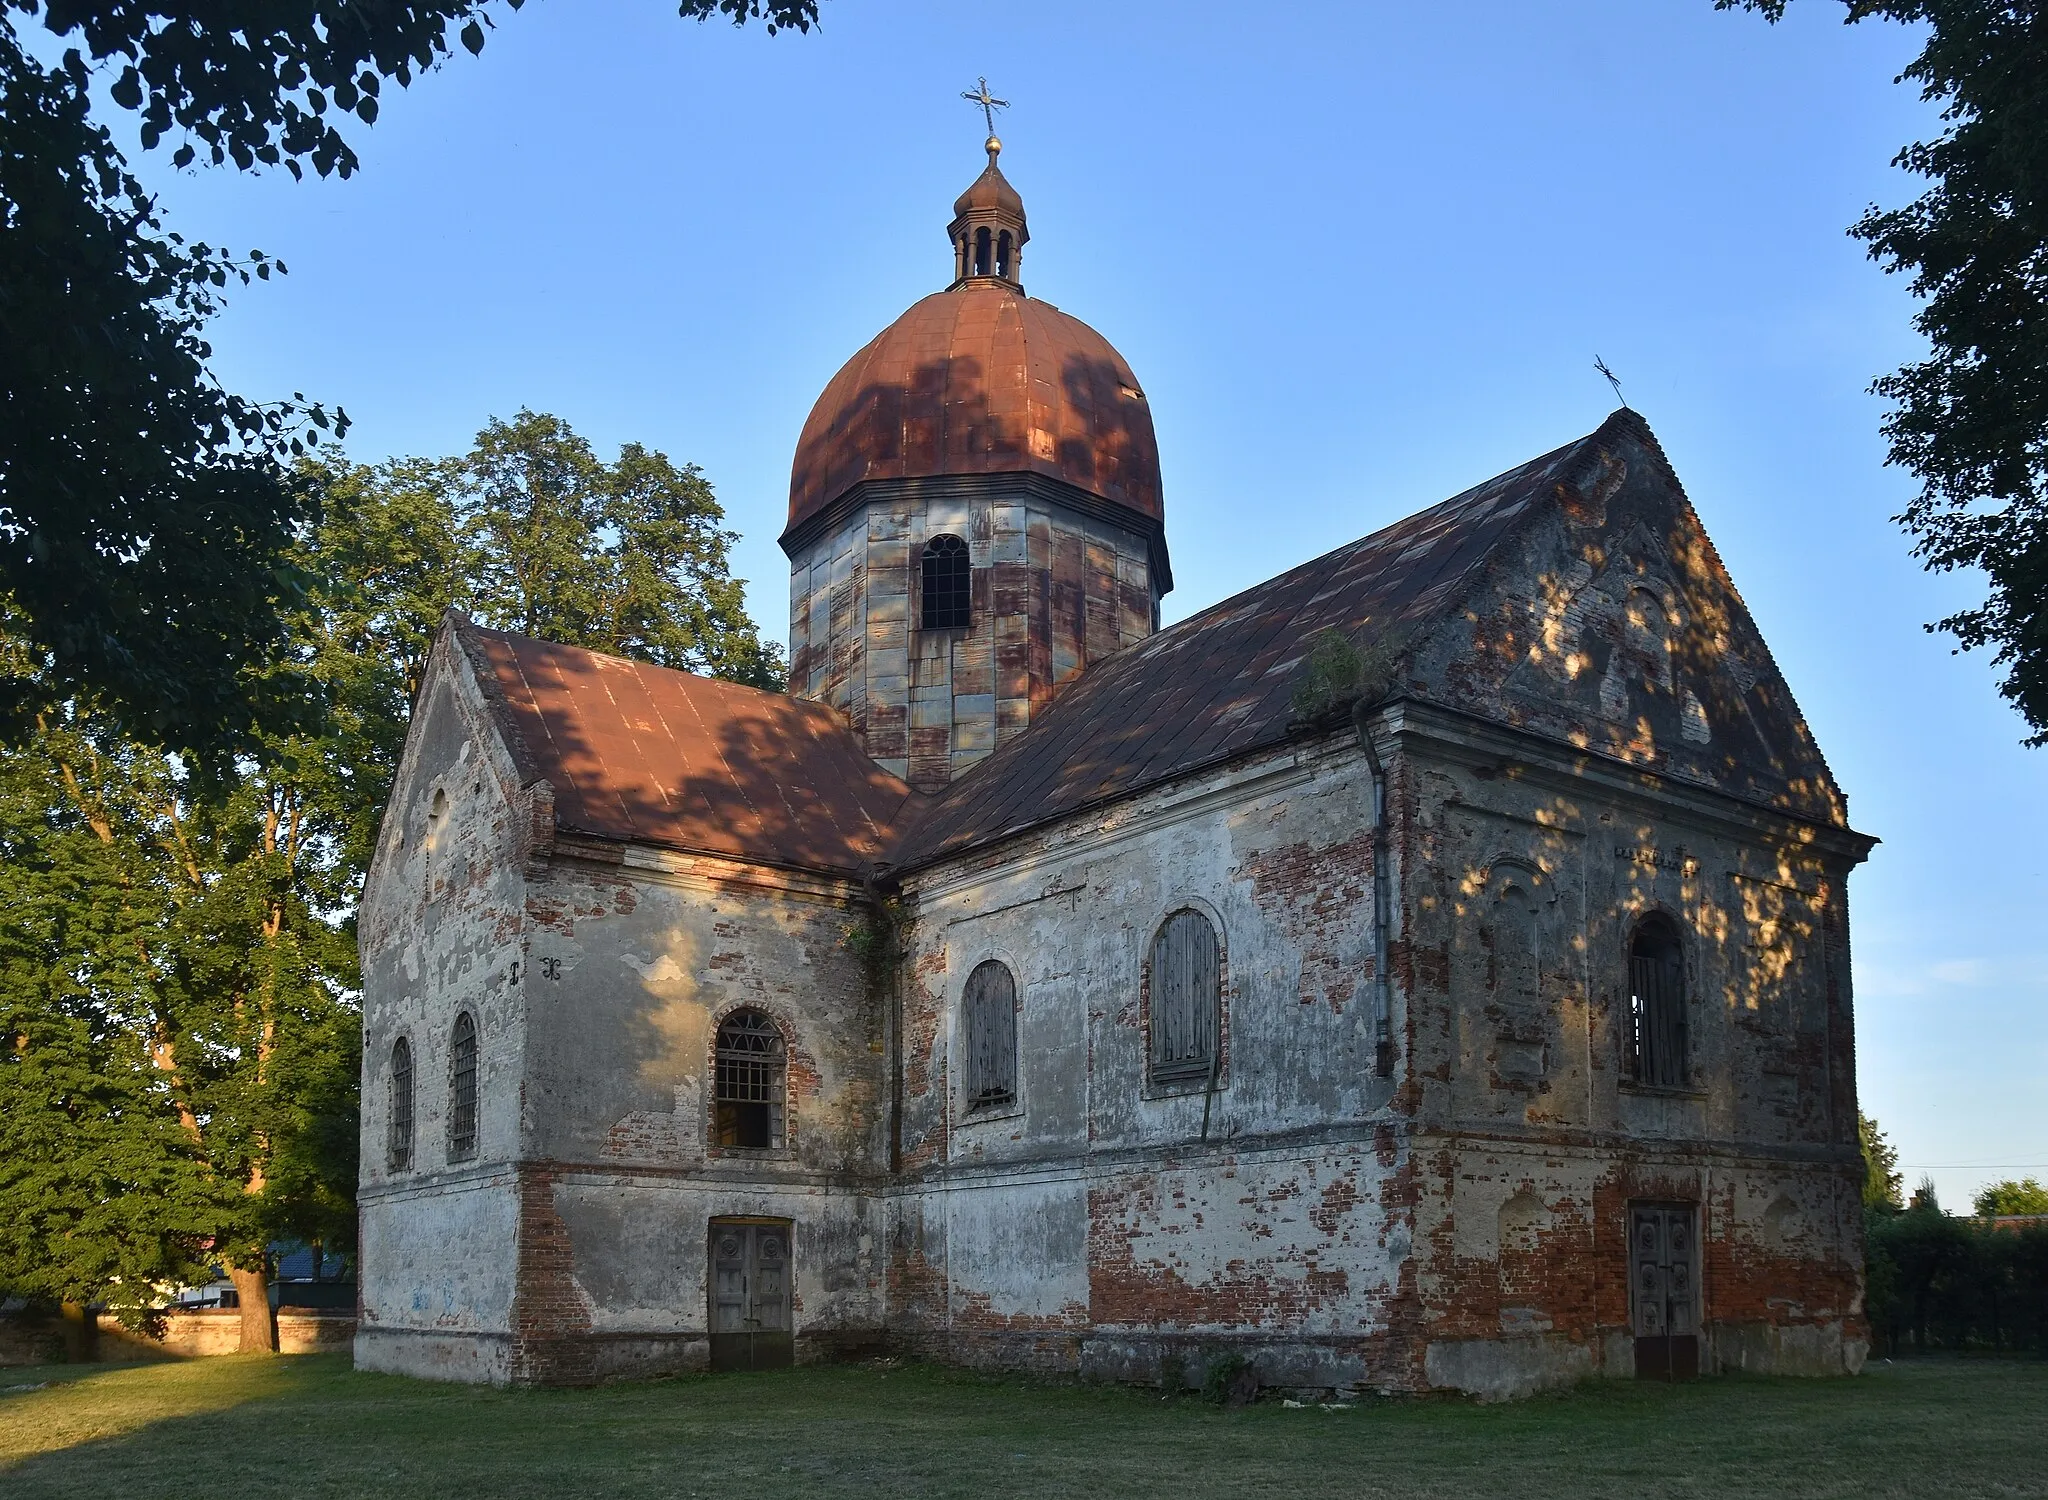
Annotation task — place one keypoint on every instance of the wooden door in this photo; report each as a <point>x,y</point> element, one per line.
<point>750,1322</point>
<point>1664,1289</point>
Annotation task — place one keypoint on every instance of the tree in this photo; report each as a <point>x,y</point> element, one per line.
<point>1882,1183</point>
<point>179,996</point>
<point>178,980</point>
<point>627,558</point>
<point>532,532</point>
<point>146,515</point>
<point>102,1195</point>
<point>1971,420</point>
<point>143,510</point>
<point>2026,1196</point>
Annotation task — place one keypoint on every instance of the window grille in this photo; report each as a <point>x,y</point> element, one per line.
<point>400,1145</point>
<point>1186,998</point>
<point>991,1017</point>
<point>945,575</point>
<point>1656,1006</point>
<point>462,1090</point>
<point>748,1097</point>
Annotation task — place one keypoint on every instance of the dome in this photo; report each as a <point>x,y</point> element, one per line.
<point>981,379</point>
<point>990,193</point>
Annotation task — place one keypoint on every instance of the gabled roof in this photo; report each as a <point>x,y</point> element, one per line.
<point>650,755</point>
<point>645,754</point>
<point>1221,683</point>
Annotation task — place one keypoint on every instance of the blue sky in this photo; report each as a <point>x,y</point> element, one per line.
<point>1361,256</point>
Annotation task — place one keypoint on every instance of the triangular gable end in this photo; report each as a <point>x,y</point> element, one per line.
<point>455,724</point>
<point>1609,621</point>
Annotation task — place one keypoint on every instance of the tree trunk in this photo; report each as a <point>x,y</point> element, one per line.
<point>252,1291</point>
<point>81,1326</point>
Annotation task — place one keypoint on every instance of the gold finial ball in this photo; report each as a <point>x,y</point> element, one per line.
<point>993,147</point>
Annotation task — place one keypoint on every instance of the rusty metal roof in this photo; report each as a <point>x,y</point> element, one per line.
<point>1221,683</point>
<point>980,380</point>
<point>651,755</point>
<point>646,754</point>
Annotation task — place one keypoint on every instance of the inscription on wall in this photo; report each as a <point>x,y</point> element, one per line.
<point>1673,859</point>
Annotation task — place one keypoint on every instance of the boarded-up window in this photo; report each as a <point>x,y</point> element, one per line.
<point>462,1090</point>
<point>1186,993</point>
<point>991,1017</point>
<point>945,573</point>
<point>399,1144</point>
<point>748,1099</point>
<point>1656,1004</point>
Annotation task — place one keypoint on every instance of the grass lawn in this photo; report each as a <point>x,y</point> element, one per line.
<point>310,1426</point>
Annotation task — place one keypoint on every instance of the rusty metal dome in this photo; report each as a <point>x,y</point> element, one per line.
<point>980,379</point>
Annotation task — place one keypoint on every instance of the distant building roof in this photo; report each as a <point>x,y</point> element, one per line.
<point>647,754</point>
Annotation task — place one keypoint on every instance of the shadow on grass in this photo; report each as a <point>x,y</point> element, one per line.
<point>311,1427</point>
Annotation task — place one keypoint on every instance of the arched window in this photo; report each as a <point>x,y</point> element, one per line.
<point>1656,1003</point>
<point>749,1094</point>
<point>981,252</point>
<point>1186,998</point>
<point>462,1090</point>
<point>944,573</point>
<point>1003,253</point>
<point>399,1144</point>
<point>991,1021</point>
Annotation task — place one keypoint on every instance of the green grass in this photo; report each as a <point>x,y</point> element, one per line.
<point>311,1427</point>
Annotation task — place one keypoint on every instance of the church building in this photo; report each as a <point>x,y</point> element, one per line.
<point>1428,969</point>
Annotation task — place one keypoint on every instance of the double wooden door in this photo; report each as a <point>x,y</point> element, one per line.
<point>750,1272</point>
<point>1664,1289</point>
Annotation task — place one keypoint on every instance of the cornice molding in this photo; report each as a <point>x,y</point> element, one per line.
<point>1026,486</point>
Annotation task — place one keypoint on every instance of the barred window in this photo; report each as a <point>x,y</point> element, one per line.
<point>991,1016</point>
<point>748,1101</point>
<point>462,1090</point>
<point>945,574</point>
<point>1656,1004</point>
<point>399,1150</point>
<point>1186,998</point>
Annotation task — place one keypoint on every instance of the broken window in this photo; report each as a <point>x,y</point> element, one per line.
<point>400,1142</point>
<point>1656,1004</point>
<point>749,1095</point>
<point>991,1017</point>
<point>1186,980</point>
<point>944,574</point>
<point>462,1090</point>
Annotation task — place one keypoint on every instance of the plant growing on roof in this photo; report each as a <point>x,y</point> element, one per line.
<point>1337,674</point>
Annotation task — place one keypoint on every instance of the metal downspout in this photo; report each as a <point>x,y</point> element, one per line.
<point>1382,900</point>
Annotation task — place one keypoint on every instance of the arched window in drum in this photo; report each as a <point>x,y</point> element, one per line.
<point>946,575</point>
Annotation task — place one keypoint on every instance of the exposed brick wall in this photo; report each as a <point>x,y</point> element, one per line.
<point>549,1311</point>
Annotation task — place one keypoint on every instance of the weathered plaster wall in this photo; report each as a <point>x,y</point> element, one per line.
<point>1526,873</point>
<point>631,967</point>
<point>1596,733</point>
<point>1611,624</point>
<point>1053,590</point>
<point>439,934</point>
<point>1090,1224</point>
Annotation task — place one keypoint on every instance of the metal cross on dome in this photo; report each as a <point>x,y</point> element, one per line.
<point>989,104</point>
